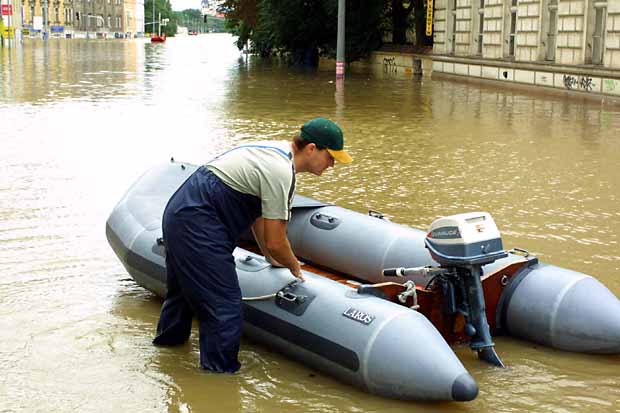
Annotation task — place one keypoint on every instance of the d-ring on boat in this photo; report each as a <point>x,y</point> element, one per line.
<point>382,302</point>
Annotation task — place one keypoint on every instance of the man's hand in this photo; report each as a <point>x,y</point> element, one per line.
<point>271,237</point>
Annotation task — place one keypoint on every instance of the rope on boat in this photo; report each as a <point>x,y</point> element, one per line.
<point>260,297</point>
<point>410,291</point>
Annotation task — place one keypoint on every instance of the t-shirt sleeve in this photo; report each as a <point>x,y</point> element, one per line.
<point>275,189</point>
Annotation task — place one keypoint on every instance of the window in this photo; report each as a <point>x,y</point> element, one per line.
<point>480,27</point>
<point>109,21</point>
<point>452,26</point>
<point>599,32</point>
<point>513,29</point>
<point>552,31</point>
<point>509,31</point>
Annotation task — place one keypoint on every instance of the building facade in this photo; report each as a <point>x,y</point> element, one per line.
<point>568,32</point>
<point>84,18</point>
<point>569,44</point>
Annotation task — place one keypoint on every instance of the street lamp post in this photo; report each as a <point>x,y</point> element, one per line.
<point>45,13</point>
<point>97,18</point>
<point>340,40</point>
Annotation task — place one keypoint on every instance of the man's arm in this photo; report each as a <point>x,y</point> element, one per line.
<point>271,237</point>
<point>258,229</point>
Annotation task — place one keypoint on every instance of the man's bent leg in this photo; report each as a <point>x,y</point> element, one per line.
<point>211,286</point>
<point>175,321</point>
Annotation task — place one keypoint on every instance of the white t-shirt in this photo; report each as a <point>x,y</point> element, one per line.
<point>261,170</point>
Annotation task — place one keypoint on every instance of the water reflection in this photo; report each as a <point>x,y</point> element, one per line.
<point>91,70</point>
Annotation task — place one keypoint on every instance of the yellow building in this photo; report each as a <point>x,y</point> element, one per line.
<point>109,18</point>
<point>134,17</point>
<point>10,21</point>
<point>56,15</point>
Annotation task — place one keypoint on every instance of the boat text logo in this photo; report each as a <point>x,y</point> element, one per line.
<point>446,233</point>
<point>359,316</point>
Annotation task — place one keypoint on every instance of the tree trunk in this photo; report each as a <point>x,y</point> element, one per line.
<point>420,22</point>
<point>399,21</point>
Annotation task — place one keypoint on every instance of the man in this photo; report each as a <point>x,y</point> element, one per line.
<point>248,186</point>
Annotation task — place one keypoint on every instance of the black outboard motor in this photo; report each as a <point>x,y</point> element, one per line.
<point>462,244</point>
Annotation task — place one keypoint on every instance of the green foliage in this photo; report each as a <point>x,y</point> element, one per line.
<point>194,21</point>
<point>241,18</point>
<point>163,7</point>
<point>216,24</point>
<point>304,28</point>
<point>365,25</point>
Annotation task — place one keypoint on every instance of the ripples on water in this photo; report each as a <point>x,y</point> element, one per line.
<point>81,120</point>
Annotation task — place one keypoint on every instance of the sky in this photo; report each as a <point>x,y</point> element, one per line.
<point>179,5</point>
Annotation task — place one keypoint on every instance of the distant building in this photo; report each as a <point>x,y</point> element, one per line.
<point>84,18</point>
<point>563,44</point>
<point>572,32</point>
<point>209,8</point>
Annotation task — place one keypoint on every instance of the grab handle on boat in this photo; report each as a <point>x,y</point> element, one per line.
<point>394,272</point>
<point>290,297</point>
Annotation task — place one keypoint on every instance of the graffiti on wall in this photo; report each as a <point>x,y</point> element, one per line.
<point>389,64</point>
<point>611,86</point>
<point>583,83</point>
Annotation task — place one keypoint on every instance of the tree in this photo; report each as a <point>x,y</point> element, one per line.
<point>304,29</point>
<point>163,7</point>
<point>402,20</point>
<point>195,21</point>
<point>241,18</point>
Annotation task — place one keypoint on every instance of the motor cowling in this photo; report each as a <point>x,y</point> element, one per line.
<point>465,239</point>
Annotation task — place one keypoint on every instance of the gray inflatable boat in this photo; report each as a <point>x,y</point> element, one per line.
<point>382,301</point>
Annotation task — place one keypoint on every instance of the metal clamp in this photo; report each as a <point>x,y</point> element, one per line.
<point>290,297</point>
<point>409,292</point>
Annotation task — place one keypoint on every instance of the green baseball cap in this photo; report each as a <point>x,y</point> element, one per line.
<point>326,133</point>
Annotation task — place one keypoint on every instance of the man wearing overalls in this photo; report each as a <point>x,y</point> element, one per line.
<point>248,186</point>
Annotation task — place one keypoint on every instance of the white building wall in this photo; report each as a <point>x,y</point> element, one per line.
<point>528,30</point>
<point>574,30</point>
<point>493,25</point>
<point>571,32</point>
<point>611,58</point>
<point>464,28</point>
<point>440,27</point>
<point>139,17</point>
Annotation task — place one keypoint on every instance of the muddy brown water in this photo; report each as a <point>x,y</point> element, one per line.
<point>81,120</point>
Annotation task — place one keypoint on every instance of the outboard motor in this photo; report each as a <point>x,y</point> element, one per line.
<point>462,244</point>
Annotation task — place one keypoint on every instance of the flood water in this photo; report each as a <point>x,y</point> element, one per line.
<point>81,120</point>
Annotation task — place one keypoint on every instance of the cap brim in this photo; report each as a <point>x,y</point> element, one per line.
<point>341,156</point>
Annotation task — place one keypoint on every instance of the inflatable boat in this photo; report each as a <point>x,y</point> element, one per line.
<point>382,302</point>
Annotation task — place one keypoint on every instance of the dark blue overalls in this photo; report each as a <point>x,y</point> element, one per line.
<point>201,225</point>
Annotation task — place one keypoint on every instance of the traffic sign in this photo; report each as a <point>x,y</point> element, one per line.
<point>429,17</point>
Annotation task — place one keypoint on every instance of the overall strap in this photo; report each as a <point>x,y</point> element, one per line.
<point>287,155</point>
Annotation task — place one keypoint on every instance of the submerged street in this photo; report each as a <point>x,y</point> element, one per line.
<point>82,120</point>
